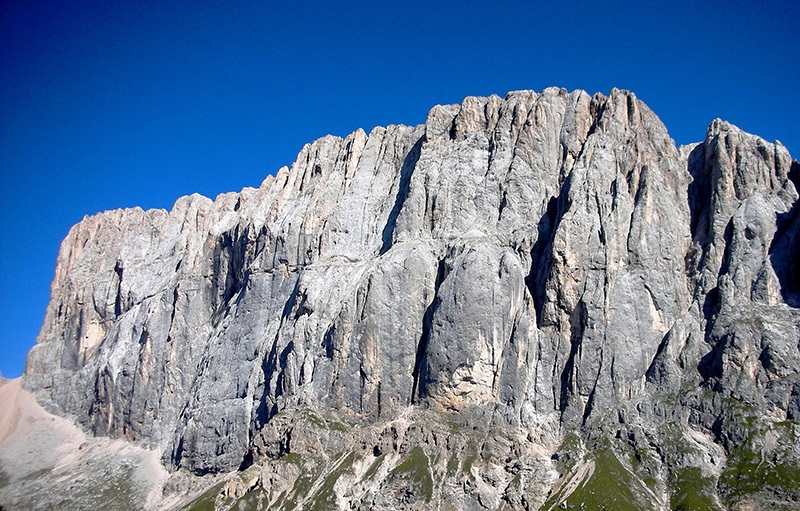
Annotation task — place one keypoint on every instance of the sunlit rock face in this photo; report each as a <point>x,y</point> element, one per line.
<point>548,266</point>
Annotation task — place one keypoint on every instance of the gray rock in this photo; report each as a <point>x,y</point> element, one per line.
<point>545,265</point>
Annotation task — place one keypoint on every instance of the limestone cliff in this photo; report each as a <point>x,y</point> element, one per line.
<point>516,305</point>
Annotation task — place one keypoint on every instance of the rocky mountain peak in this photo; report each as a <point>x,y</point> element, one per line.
<point>532,294</point>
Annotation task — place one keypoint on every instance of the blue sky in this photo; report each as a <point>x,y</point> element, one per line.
<point>111,104</point>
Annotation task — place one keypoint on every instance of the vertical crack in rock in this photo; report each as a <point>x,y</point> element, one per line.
<point>118,308</point>
<point>418,388</point>
<point>503,204</point>
<point>266,406</point>
<point>327,341</point>
<point>568,394</point>
<point>699,192</point>
<point>542,251</point>
<point>406,170</point>
<point>174,311</point>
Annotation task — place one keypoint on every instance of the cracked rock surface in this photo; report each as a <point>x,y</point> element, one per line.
<point>504,308</point>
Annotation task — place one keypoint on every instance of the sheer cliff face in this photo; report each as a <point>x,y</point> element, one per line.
<point>544,261</point>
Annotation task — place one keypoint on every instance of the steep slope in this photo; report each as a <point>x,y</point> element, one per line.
<point>46,462</point>
<point>523,292</point>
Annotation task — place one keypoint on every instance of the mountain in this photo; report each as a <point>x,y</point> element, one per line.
<point>529,302</point>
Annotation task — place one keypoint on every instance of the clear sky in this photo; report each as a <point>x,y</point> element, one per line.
<point>107,103</point>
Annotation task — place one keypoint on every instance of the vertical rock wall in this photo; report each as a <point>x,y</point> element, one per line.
<point>541,260</point>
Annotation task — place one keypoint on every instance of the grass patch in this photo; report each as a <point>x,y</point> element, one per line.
<point>469,461</point>
<point>453,427</point>
<point>691,491</point>
<point>117,490</point>
<point>610,487</point>
<point>323,497</point>
<point>302,485</point>
<point>751,470</point>
<point>326,497</point>
<point>416,472</point>
<point>373,469</point>
<point>747,473</point>
<point>452,465</point>
<point>326,423</point>
<point>292,458</point>
<point>251,500</point>
<point>315,420</point>
<point>205,502</point>
<point>570,451</point>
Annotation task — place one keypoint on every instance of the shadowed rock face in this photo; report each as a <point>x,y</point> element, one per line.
<point>544,263</point>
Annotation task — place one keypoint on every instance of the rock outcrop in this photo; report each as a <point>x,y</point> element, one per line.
<point>519,304</point>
